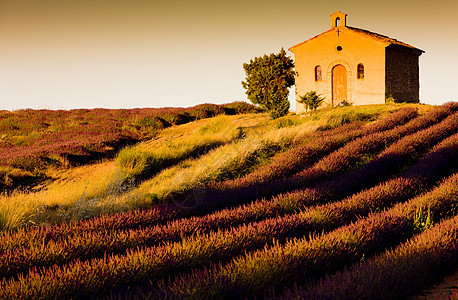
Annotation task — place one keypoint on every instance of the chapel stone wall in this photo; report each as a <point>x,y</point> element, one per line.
<point>402,75</point>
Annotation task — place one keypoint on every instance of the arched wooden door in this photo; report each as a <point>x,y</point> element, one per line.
<point>339,84</point>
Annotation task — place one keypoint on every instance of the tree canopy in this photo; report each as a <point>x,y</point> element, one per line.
<point>267,81</point>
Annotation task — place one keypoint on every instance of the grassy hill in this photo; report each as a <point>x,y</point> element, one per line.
<point>239,206</point>
<point>35,141</point>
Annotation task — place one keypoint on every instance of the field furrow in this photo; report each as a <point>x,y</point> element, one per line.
<point>353,155</point>
<point>329,190</point>
<point>85,245</point>
<point>297,158</point>
<point>396,274</point>
<point>160,214</point>
<point>281,265</point>
<point>222,245</point>
<point>319,206</point>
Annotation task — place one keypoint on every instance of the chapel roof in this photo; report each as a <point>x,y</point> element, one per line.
<point>384,38</point>
<point>376,36</point>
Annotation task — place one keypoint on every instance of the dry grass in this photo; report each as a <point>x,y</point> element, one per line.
<point>51,203</point>
<point>222,163</point>
<point>103,187</point>
<point>227,147</point>
<point>146,159</point>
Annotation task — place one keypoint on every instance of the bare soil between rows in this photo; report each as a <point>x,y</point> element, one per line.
<point>441,290</point>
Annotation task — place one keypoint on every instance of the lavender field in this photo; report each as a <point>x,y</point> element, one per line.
<point>32,141</point>
<point>362,208</point>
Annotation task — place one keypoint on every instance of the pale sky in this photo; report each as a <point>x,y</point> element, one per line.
<point>64,54</point>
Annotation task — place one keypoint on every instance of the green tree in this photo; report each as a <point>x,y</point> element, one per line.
<point>267,81</point>
<point>311,100</point>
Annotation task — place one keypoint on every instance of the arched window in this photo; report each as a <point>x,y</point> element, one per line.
<point>318,73</point>
<point>360,73</point>
<point>337,22</point>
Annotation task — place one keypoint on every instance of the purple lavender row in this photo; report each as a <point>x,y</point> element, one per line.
<point>161,214</point>
<point>221,245</point>
<point>95,277</point>
<point>396,274</point>
<point>399,155</point>
<point>170,214</point>
<point>339,161</point>
<point>87,245</point>
<point>308,152</point>
<point>313,257</point>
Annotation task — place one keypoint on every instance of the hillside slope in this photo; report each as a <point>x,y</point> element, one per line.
<point>243,206</point>
<point>174,161</point>
<point>34,141</point>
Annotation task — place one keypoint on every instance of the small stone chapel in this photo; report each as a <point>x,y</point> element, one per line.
<point>349,65</point>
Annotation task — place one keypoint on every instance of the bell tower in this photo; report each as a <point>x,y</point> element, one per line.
<point>338,19</point>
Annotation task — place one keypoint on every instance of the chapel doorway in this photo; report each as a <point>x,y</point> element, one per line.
<point>339,84</point>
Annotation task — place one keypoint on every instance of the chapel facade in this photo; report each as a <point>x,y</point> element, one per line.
<point>356,66</point>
